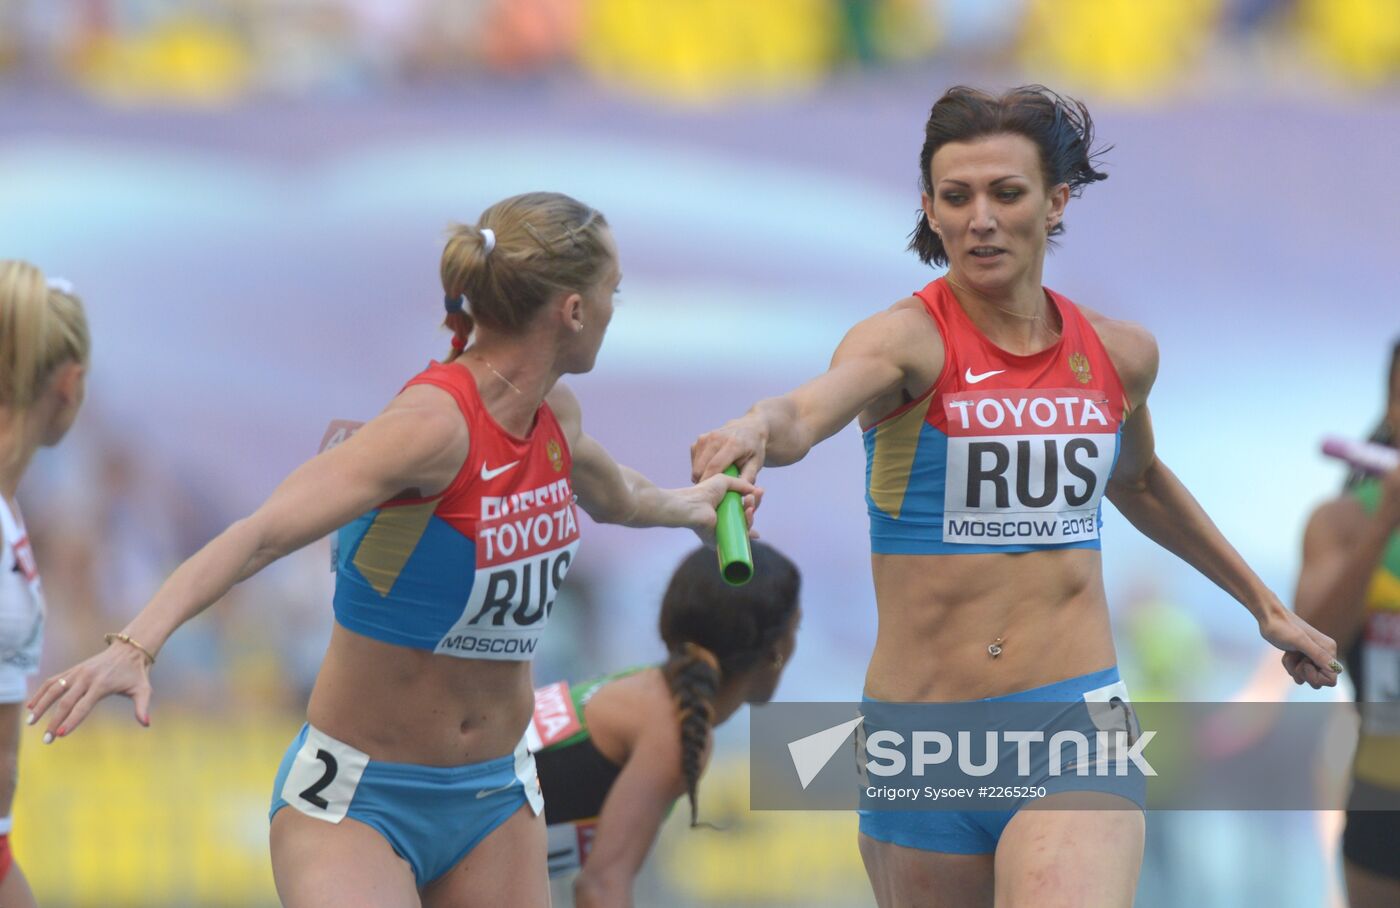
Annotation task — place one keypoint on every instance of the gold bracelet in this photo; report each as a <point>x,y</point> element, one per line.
<point>126,638</point>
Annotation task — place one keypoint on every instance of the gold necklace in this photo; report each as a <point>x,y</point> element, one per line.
<point>509,383</point>
<point>1014,314</point>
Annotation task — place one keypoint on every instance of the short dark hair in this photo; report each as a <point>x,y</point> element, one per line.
<point>1061,128</point>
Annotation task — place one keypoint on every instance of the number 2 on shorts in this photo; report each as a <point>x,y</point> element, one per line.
<point>323,776</point>
<point>313,793</point>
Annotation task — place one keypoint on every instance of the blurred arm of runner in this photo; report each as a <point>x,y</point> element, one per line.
<point>1163,510</point>
<point>612,493</point>
<point>877,358</point>
<point>632,816</point>
<point>417,445</point>
<point>1341,548</point>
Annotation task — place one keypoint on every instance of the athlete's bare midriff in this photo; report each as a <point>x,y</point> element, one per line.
<point>403,705</point>
<point>939,613</point>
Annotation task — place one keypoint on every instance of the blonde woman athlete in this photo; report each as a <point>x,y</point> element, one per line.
<point>44,349</point>
<point>410,783</point>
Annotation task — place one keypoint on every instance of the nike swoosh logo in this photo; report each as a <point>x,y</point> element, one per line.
<point>973,379</point>
<point>488,792</point>
<point>487,473</point>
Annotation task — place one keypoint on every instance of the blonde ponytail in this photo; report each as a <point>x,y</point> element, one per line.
<point>501,270</point>
<point>42,326</point>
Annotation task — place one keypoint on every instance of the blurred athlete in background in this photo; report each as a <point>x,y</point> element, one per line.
<point>1349,587</point>
<point>619,750</point>
<point>44,349</point>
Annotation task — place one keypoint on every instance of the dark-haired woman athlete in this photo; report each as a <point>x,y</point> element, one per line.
<point>616,752</point>
<point>1349,586</point>
<point>997,415</point>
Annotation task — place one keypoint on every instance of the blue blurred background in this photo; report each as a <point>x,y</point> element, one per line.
<point>252,198</point>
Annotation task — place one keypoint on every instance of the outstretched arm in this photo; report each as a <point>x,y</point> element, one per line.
<point>418,442</point>
<point>1341,548</point>
<point>612,493</point>
<point>631,817</point>
<point>1163,510</point>
<point>877,358</point>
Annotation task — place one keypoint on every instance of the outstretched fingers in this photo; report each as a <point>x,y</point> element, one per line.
<point>67,698</point>
<point>49,693</point>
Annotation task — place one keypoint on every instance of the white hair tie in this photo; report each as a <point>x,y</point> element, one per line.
<point>488,240</point>
<point>62,285</point>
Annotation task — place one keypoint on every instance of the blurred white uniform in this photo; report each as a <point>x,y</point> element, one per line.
<point>21,608</point>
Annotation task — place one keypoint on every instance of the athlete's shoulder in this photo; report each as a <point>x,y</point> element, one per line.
<point>631,706</point>
<point>1335,522</point>
<point>904,324</point>
<point>901,343</point>
<point>427,413</point>
<point>422,419</point>
<point>1131,347</point>
<point>910,312</point>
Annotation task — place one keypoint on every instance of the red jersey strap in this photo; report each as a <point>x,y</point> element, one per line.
<point>929,296</point>
<point>461,384</point>
<point>1089,338</point>
<point>457,382</point>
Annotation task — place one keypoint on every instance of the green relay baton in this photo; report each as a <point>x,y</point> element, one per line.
<point>732,538</point>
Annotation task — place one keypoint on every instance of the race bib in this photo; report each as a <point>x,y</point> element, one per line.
<point>1380,654</point>
<point>570,844</point>
<point>1111,711</point>
<point>555,718</point>
<point>524,546</point>
<point>323,777</point>
<point>1026,467</point>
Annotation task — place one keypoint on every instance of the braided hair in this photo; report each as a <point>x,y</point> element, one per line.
<point>714,631</point>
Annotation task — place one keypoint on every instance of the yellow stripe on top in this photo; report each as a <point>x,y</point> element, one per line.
<point>1383,595</point>
<point>896,442</point>
<point>390,541</point>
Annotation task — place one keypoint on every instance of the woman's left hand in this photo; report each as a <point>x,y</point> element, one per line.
<point>703,498</point>
<point>1309,655</point>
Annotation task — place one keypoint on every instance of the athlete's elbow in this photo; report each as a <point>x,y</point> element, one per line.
<point>618,509</point>
<point>1127,486</point>
<point>1125,491</point>
<point>790,446</point>
<point>261,542</point>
